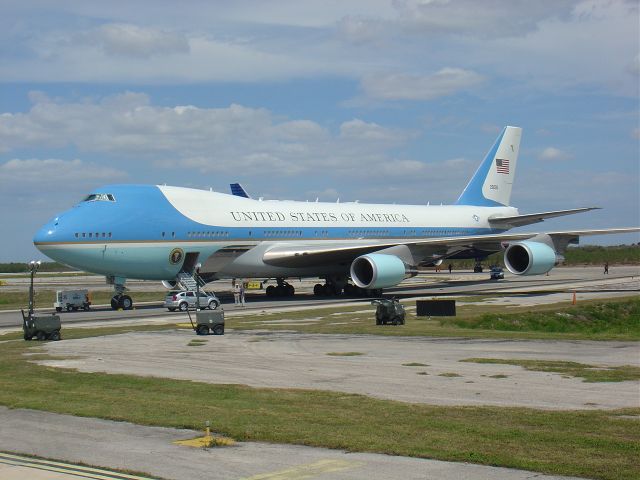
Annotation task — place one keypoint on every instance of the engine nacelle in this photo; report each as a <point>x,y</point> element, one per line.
<point>530,258</point>
<point>376,270</point>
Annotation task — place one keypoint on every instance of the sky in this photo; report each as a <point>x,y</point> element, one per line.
<point>391,101</point>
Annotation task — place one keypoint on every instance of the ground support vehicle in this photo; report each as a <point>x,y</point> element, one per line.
<point>496,273</point>
<point>72,300</point>
<point>389,311</point>
<point>210,321</point>
<point>185,300</point>
<point>42,327</point>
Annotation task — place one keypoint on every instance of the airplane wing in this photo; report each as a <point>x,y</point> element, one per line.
<point>319,253</point>
<point>521,220</point>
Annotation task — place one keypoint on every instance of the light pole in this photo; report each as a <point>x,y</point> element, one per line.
<point>33,267</point>
<point>197,277</point>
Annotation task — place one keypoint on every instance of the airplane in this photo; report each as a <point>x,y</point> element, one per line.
<point>169,233</point>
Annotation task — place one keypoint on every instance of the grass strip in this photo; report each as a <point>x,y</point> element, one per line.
<point>589,373</point>
<point>591,320</point>
<point>44,298</point>
<point>595,444</point>
<point>621,317</point>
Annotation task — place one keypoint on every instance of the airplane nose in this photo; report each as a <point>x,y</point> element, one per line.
<point>46,233</point>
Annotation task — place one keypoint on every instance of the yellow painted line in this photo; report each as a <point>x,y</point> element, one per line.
<point>206,442</point>
<point>67,468</point>
<point>307,471</point>
<point>183,325</point>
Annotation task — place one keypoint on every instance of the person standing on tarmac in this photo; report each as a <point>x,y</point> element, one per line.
<point>236,292</point>
<point>242,283</point>
<point>606,268</point>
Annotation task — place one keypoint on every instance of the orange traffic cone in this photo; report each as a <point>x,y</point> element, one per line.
<point>573,302</point>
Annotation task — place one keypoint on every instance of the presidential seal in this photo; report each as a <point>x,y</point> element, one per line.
<point>176,256</point>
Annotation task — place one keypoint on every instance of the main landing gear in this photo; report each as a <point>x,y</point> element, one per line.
<point>336,286</point>
<point>477,268</point>
<point>120,301</point>
<point>282,289</point>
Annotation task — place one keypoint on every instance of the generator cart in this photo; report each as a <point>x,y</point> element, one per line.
<point>42,327</point>
<point>210,320</point>
<point>389,311</point>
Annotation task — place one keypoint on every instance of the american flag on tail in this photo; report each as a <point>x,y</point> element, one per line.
<point>502,165</point>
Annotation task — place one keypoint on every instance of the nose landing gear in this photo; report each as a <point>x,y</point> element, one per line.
<point>120,301</point>
<point>123,302</point>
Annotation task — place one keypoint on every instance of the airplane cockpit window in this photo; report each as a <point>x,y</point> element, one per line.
<point>99,197</point>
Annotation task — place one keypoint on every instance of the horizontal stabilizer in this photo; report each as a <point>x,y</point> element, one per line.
<point>521,220</point>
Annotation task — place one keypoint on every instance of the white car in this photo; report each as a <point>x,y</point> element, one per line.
<point>184,300</point>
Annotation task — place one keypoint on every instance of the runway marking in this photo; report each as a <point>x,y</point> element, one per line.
<point>67,468</point>
<point>307,471</point>
<point>206,442</point>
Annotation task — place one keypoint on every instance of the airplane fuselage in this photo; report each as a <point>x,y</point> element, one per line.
<point>147,231</point>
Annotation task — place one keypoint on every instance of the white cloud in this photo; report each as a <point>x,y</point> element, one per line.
<point>491,18</point>
<point>235,138</point>
<point>446,81</point>
<point>135,41</point>
<point>25,175</point>
<point>554,154</point>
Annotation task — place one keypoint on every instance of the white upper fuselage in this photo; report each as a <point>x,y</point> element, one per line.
<point>133,235</point>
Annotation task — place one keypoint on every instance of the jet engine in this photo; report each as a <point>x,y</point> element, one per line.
<point>530,258</point>
<point>376,270</point>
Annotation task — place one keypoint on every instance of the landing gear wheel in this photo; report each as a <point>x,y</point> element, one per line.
<point>40,336</point>
<point>202,330</point>
<point>218,329</point>
<point>115,303</point>
<point>183,306</point>
<point>126,303</point>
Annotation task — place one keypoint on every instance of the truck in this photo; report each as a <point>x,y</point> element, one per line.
<point>72,300</point>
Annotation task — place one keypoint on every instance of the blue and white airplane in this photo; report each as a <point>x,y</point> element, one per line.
<point>163,233</point>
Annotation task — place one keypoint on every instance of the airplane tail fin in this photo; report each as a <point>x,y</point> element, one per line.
<point>491,185</point>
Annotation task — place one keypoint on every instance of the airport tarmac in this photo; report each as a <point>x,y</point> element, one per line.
<point>292,360</point>
<point>125,446</point>
<point>558,286</point>
<point>286,359</point>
